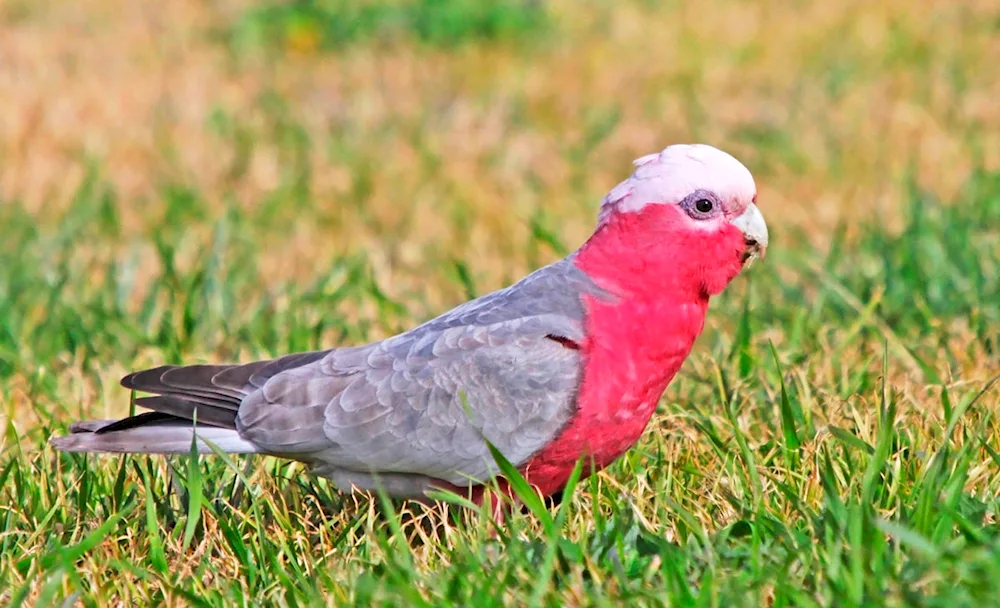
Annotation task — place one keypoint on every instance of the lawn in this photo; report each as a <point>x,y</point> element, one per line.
<point>194,181</point>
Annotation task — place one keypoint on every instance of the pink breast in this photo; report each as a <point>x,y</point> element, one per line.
<point>631,355</point>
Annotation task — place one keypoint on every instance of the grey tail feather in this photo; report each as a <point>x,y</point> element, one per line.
<point>163,437</point>
<point>210,394</point>
<point>213,393</point>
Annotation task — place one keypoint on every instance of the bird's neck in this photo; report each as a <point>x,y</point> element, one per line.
<point>659,304</point>
<point>642,259</point>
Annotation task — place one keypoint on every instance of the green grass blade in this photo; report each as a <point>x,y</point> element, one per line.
<point>194,489</point>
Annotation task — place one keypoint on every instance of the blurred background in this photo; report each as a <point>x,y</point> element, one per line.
<point>419,122</point>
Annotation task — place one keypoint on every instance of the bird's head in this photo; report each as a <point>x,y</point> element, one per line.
<point>686,218</point>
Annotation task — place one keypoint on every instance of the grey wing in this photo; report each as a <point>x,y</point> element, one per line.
<point>397,406</point>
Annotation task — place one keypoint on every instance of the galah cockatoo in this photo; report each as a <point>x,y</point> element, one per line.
<point>567,363</point>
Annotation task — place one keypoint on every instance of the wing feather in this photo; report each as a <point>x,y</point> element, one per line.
<point>398,407</point>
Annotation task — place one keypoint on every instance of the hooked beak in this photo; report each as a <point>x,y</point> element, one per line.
<point>751,224</point>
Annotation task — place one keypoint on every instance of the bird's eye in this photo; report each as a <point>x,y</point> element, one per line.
<point>701,205</point>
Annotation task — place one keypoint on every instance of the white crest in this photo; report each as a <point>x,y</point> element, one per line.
<point>669,176</point>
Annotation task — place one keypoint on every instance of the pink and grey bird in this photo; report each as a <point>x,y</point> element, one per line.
<point>567,363</point>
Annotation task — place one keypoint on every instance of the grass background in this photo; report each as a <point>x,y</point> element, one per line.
<point>195,181</point>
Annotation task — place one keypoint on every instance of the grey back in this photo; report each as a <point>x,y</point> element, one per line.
<point>421,402</point>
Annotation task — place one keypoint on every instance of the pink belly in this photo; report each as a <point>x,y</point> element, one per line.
<point>600,433</point>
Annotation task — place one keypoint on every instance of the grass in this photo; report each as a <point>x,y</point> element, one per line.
<point>306,26</point>
<point>831,441</point>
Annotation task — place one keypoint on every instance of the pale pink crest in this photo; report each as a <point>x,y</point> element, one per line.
<point>669,176</point>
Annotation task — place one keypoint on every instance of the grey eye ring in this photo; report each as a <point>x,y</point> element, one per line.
<point>701,205</point>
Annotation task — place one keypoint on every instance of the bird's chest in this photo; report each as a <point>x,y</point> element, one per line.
<point>630,357</point>
<point>621,390</point>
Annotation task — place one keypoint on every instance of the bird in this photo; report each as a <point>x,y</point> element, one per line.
<point>567,364</point>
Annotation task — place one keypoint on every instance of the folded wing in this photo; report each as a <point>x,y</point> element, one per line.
<point>424,404</point>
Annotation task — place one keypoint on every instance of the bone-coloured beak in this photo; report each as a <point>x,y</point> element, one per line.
<point>751,224</point>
